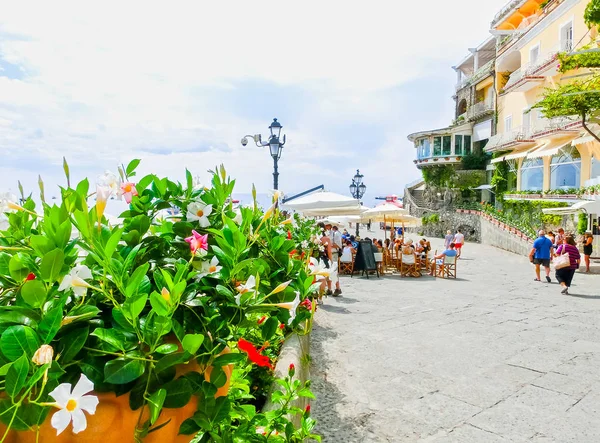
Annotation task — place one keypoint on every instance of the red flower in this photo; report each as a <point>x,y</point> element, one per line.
<point>289,235</point>
<point>307,410</point>
<point>262,320</point>
<point>30,276</point>
<point>281,326</point>
<point>291,370</point>
<point>253,354</point>
<point>307,304</point>
<point>293,253</point>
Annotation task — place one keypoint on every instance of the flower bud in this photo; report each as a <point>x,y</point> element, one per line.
<point>307,410</point>
<point>43,355</point>
<point>30,276</point>
<point>262,320</point>
<point>281,326</point>
<point>291,370</point>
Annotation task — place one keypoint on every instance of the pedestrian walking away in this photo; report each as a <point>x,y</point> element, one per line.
<point>564,276</point>
<point>587,249</point>
<point>449,238</point>
<point>540,255</point>
<point>459,241</point>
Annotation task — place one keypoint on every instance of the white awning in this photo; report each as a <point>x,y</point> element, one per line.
<point>583,139</point>
<point>589,207</point>
<point>512,156</point>
<point>482,131</point>
<point>551,148</point>
<point>483,187</point>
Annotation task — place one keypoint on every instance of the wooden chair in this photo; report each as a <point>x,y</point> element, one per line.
<point>345,267</point>
<point>379,261</point>
<point>447,269</point>
<point>409,266</point>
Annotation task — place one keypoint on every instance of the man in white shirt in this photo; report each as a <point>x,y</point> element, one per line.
<point>459,241</point>
<point>336,250</point>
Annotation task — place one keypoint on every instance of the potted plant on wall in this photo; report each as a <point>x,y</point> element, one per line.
<point>131,331</point>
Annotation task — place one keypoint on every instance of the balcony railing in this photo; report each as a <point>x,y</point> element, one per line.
<point>539,67</point>
<point>545,126</point>
<point>481,108</point>
<point>509,138</point>
<point>480,74</point>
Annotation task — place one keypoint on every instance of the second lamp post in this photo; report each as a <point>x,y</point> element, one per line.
<point>357,190</point>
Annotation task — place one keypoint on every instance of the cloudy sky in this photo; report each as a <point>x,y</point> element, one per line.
<point>178,84</point>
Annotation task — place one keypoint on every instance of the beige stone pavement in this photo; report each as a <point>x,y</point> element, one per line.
<point>490,357</point>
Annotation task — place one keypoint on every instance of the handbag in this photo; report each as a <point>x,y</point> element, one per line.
<point>562,261</point>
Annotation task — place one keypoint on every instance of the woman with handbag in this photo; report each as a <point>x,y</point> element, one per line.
<point>566,263</point>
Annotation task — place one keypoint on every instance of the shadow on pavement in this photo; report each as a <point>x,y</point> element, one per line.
<point>590,297</point>
<point>330,425</point>
<point>333,309</point>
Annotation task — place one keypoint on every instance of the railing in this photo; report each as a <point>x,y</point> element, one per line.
<point>508,7</point>
<point>515,135</point>
<point>545,125</point>
<point>478,75</point>
<point>537,66</point>
<point>481,108</point>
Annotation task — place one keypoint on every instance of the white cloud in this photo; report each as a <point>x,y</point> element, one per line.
<point>107,82</point>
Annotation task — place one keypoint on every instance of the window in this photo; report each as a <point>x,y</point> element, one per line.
<point>458,145</point>
<point>467,144</point>
<point>595,168</point>
<point>534,54</point>
<point>447,145</point>
<point>565,169</point>
<point>423,148</point>
<point>532,174</point>
<point>508,124</point>
<point>437,146</point>
<point>566,37</point>
<point>526,122</point>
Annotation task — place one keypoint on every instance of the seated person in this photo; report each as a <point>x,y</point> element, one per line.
<point>354,242</point>
<point>420,248</point>
<point>347,252</point>
<point>440,258</point>
<point>379,246</point>
<point>408,248</point>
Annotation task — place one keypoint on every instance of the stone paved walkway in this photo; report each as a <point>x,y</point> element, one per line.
<point>490,357</point>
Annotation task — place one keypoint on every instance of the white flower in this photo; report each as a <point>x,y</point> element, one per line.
<point>72,404</point>
<point>109,180</point>
<point>199,212</point>
<point>318,269</point>
<point>277,194</point>
<point>292,306</point>
<point>209,268</point>
<point>304,244</point>
<point>43,355</point>
<point>248,286</point>
<point>8,202</point>
<point>75,280</point>
<point>238,219</point>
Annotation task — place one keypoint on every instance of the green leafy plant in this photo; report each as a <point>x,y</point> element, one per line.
<point>592,13</point>
<point>159,306</point>
<point>439,175</point>
<point>475,160</point>
<point>582,223</point>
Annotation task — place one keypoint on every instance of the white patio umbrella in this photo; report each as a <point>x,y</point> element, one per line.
<point>325,204</point>
<point>388,212</point>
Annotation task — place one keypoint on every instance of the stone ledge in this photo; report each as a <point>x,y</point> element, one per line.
<point>294,350</point>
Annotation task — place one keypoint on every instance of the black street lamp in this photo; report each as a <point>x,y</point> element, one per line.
<point>357,190</point>
<point>274,144</point>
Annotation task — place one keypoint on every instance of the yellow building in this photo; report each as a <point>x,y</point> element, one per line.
<point>543,154</point>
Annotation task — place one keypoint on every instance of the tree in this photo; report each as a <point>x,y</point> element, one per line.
<point>592,13</point>
<point>579,98</point>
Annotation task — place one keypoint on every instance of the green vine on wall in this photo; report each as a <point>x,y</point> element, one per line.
<point>568,62</point>
<point>439,175</point>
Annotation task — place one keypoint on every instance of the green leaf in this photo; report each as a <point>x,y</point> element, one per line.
<point>113,337</point>
<point>221,410</point>
<point>50,324</point>
<point>134,305</point>
<point>74,342</point>
<point>218,376</point>
<point>133,164</point>
<point>167,348</point>
<point>17,375</point>
<point>123,370</point>
<point>192,342</point>
<point>17,269</point>
<point>41,244</point>
<point>179,393</point>
<point>159,304</point>
<point>133,283</point>
<point>269,328</point>
<point>155,403</point>
<point>51,265</point>
<point>305,392</point>
<point>228,359</point>
<point>34,293</point>
<point>112,243</point>
<point>17,340</point>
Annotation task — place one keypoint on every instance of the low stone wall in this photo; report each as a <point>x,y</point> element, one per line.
<point>469,225</point>
<point>492,235</point>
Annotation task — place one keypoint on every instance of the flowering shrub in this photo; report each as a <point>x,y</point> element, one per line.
<point>186,298</point>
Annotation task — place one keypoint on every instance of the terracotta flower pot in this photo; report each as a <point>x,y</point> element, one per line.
<point>115,422</point>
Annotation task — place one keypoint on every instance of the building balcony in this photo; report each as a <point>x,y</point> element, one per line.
<point>554,127</point>
<point>509,140</point>
<point>481,109</point>
<point>438,160</point>
<point>532,74</point>
<point>483,72</point>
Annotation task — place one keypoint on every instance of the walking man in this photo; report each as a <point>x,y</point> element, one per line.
<point>540,255</point>
<point>459,241</point>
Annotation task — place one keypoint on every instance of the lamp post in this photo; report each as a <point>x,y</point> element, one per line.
<point>275,146</point>
<point>357,190</point>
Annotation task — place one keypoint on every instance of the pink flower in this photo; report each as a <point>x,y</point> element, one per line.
<point>129,191</point>
<point>198,242</point>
